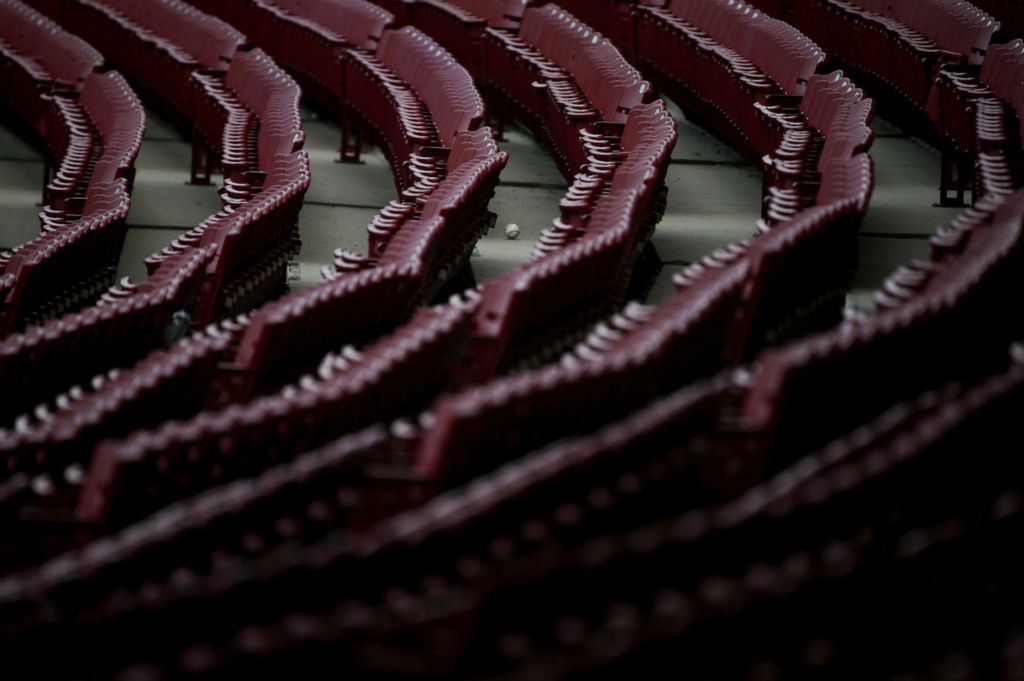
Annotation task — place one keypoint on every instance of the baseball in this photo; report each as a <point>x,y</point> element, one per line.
<point>512,231</point>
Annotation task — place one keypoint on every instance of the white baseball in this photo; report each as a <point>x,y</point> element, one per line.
<point>512,231</point>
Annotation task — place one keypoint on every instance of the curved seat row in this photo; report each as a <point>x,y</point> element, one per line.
<point>815,142</point>
<point>785,58</point>
<point>171,383</point>
<point>604,87</point>
<point>39,54</point>
<point>332,480</point>
<point>351,390</point>
<point>916,53</point>
<point>310,38</point>
<point>83,221</point>
<point>447,90</point>
<point>900,42</point>
<point>719,71</point>
<point>901,48</point>
<point>980,112</point>
<point>955,295</point>
<point>251,120</point>
<point>961,299</point>
<point>417,97</point>
<point>244,109</point>
<point>91,124</point>
<point>438,19</point>
<point>903,51</point>
<point>157,45</point>
<point>51,446</point>
<point>441,229</point>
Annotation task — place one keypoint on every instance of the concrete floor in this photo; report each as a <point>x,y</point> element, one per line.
<point>902,215</point>
<point>714,200</point>
<point>21,183</point>
<point>163,203</point>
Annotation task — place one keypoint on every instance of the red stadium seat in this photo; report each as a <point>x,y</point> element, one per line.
<point>91,124</point>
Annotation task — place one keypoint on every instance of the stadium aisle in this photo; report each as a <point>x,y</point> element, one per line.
<point>713,201</point>
<point>21,171</point>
